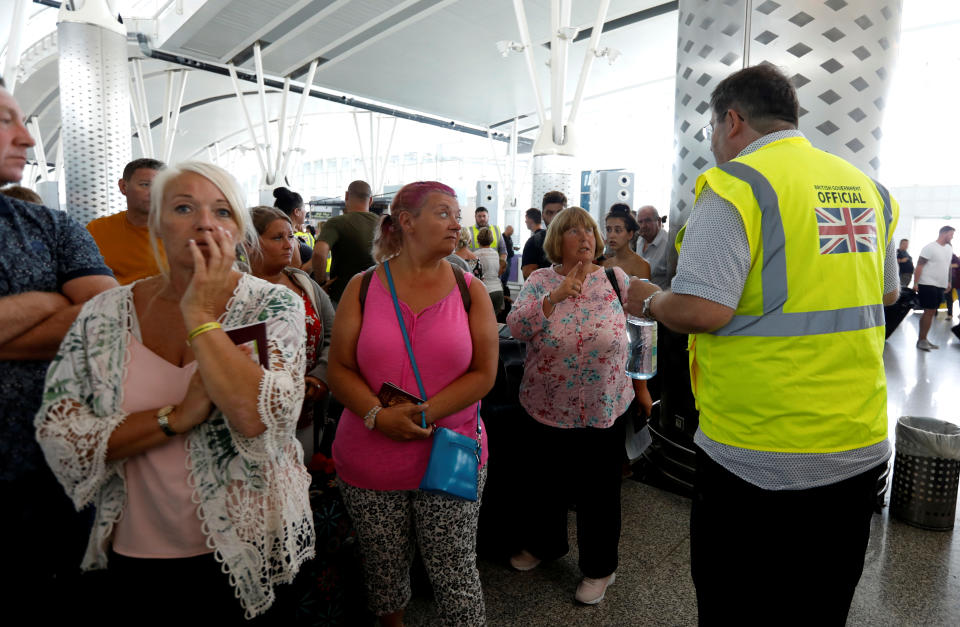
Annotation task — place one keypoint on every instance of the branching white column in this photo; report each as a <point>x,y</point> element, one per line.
<point>94,108</point>
<point>838,53</point>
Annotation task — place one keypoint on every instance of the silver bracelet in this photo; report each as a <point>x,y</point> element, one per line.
<point>370,419</point>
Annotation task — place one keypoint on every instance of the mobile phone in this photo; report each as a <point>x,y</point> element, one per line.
<point>391,395</point>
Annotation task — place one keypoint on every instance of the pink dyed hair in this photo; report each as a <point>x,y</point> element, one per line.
<point>411,197</point>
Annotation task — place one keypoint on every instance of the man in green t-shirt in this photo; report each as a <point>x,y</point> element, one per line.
<point>348,238</point>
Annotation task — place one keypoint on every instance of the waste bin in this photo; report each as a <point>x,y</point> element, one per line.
<point>926,470</point>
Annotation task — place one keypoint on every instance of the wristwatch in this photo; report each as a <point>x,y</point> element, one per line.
<point>647,303</point>
<point>370,419</point>
<point>164,422</point>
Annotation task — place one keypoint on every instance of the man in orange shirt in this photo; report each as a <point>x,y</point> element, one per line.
<point>123,237</point>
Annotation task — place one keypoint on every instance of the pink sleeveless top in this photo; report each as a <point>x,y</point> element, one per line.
<point>440,336</point>
<point>159,518</point>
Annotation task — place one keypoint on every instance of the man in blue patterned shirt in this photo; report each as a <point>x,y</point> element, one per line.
<point>49,266</point>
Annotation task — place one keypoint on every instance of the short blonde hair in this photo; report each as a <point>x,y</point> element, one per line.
<point>566,219</point>
<point>227,185</point>
<point>464,240</point>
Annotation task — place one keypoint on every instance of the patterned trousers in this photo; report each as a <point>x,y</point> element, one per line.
<point>388,524</point>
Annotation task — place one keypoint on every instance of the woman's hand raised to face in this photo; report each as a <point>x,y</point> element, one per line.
<point>572,285</point>
<point>402,422</point>
<point>210,287</point>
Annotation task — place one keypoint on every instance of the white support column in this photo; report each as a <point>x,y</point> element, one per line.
<point>386,156</point>
<point>17,27</point>
<point>246,116</point>
<point>175,125</point>
<point>258,61</point>
<point>94,107</point>
<point>165,116</point>
<point>38,149</point>
<point>139,101</point>
<point>363,159</point>
<point>528,55</point>
<point>514,142</point>
<point>295,131</point>
<point>588,57</point>
<point>281,126</point>
<point>559,19</point>
<point>839,56</point>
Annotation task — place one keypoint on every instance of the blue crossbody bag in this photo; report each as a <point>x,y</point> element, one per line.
<point>454,463</point>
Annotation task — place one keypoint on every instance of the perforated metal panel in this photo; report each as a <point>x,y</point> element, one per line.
<point>95,117</point>
<point>554,172</point>
<point>839,54</point>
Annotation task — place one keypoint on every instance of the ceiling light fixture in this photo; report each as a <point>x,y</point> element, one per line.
<point>505,47</point>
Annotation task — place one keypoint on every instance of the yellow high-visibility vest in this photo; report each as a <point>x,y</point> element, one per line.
<point>799,368</point>
<point>494,229</point>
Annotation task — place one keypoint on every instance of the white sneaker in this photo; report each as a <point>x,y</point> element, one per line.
<point>524,561</point>
<point>591,591</point>
<point>924,345</point>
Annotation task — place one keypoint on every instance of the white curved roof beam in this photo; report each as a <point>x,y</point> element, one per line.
<point>259,33</point>
<point>387,15</point>
<point>296,31</point>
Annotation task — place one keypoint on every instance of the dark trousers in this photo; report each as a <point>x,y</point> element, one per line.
<point>784,557</point>
<point>582,467</point>
<point>182,591</point>
<point>44,539</point>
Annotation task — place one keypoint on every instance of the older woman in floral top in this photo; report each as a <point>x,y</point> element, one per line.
<point>575,393</point>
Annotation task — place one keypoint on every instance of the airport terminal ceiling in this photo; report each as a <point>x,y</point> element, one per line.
<point>434,57</point>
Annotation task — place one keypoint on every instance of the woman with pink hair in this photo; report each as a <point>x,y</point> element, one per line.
<point>381,452</point>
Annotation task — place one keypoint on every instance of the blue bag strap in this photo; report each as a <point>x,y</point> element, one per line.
<point>413,361</point>
<point>406,340</point>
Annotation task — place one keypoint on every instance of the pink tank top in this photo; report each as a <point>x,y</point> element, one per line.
<point>440,336</point>
<point>159,518</point>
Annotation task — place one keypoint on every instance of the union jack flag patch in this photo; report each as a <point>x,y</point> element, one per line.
<point>847,230</point>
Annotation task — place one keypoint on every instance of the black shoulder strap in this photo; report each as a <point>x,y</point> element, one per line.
<point>613,281</point>
<point>462,284</point>
<point>365,286</point>
<point>457,274</point>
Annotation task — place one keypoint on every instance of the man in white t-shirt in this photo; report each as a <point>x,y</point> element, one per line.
<point>931,279</point>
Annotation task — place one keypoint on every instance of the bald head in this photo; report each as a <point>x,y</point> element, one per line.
<point>649,220</point>
<point>359,197</point>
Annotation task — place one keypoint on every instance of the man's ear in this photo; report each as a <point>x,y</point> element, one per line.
<point>122,184</point>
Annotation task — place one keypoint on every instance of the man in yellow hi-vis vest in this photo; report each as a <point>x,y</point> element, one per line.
<point>785,265</point>
<point>482,218</point>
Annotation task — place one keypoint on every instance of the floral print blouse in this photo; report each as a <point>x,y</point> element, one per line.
<point>574,372</point>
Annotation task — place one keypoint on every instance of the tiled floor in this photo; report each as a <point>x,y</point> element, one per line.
<point>911,576</point>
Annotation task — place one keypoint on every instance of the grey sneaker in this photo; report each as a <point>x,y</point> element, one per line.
<point>591,591</point>
<point>924,345</point>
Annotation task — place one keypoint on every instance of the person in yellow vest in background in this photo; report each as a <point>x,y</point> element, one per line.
<point>123,238</point>
<point>784,268</point>
<point>482,218</point>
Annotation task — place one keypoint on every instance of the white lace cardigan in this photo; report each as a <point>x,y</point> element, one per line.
<point>252,493</point>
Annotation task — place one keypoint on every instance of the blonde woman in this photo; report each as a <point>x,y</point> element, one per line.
<point>184,445</point>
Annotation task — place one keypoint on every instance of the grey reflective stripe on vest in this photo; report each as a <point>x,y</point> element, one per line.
<point>887,208</point>
<point>774,322</point>
<point>774,277</point>
<point>782,324</point>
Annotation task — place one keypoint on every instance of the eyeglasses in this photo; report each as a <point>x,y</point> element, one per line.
<point>707,130</point>
<point>648,220</point>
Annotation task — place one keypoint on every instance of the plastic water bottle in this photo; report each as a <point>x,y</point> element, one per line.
<point>642,351</point>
